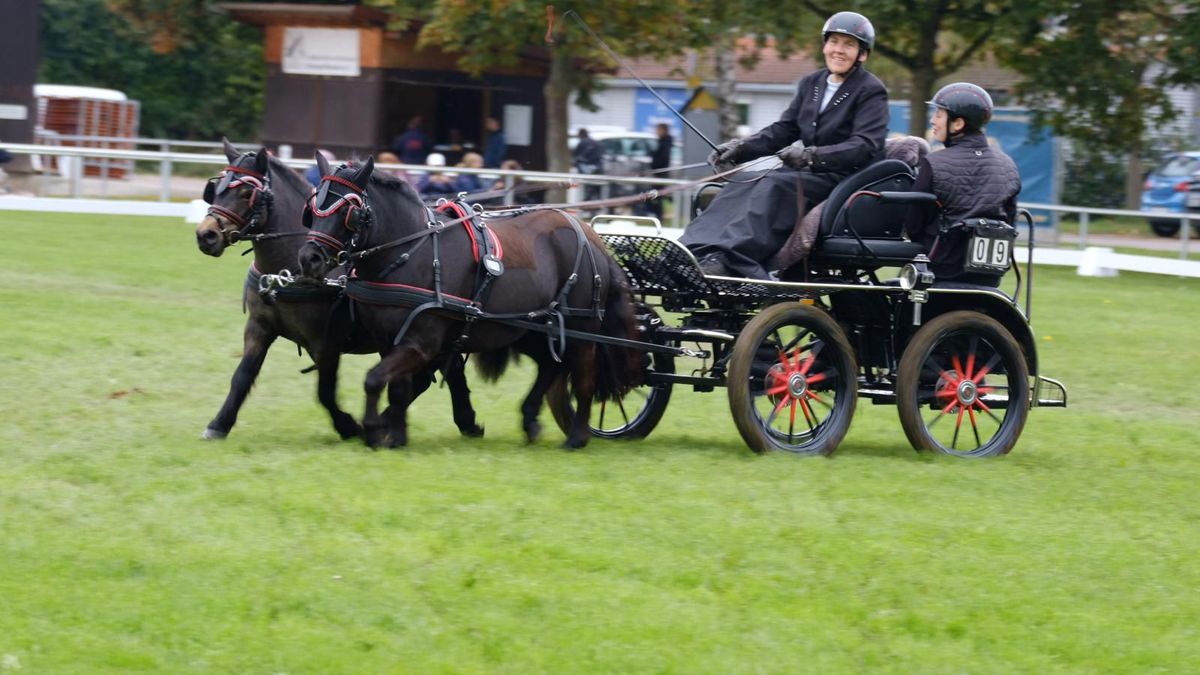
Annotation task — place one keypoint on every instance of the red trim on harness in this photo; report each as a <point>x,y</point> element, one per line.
<point>412,288</point>
<point>323,239</point>
<point>460,213</point>
<point>247,172</point>
<point>343,181</point>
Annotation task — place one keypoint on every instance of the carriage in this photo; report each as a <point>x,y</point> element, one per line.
<point>958,360</point>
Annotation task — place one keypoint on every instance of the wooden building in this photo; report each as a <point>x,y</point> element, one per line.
<point>338,79</point>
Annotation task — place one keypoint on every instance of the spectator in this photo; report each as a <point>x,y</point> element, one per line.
<point>589,160</point>
<point>413,145</point>
<point>391,158</point>
<point>661,159</point>
<point>496,145</point>
<point>435,184</point>
<point>469,182</point>
<point>313,173</point>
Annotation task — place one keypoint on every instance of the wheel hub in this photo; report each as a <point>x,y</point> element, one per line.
<point>797,385</point>
<point>967,392</point>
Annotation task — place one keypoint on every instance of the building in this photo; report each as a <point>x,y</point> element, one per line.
<point>338,79</point>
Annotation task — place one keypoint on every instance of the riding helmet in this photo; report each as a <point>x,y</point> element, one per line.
<point>967,101</point>
<point>853,24</point>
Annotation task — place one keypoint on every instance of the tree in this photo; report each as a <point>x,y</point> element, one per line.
<point>1098,73</point>
<point>930,40</point>
<point>200,76</point>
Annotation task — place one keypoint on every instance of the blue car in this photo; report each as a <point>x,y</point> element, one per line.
<point>1166,191</point>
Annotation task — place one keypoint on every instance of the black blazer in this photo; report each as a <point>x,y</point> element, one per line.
<point>848,135</point>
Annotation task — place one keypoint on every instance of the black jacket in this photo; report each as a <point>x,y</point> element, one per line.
<point>848,134</point>
<point>971,179</point>
<point>661,158</point>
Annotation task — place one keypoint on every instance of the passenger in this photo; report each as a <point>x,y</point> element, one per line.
<point>840,113</point>
<point>435,184</point>
<point>469,182</point>
<point>971,179</point>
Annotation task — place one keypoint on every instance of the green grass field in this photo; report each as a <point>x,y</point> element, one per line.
<point>127,544</point>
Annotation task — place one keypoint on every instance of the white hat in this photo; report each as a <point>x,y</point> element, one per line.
<point>435,159</point>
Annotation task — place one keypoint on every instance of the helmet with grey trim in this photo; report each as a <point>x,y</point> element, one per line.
<point>966,101</point>
<point>853,24</point>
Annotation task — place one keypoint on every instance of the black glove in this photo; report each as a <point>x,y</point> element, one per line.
<point>798,158</point>
<point>724,157</point>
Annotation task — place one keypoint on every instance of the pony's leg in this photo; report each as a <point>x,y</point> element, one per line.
<point>397,363</point>
<point>455,376</point>
<point>583,378</point>
<point>256,341</point>
<point>328,360</point>
<point>402,391</point>
<point>548,371</point>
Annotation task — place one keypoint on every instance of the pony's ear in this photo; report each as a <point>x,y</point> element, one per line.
<point>363,175</point>
<point>230,152</point>
<point>262,161</point>
<point>322,163</point>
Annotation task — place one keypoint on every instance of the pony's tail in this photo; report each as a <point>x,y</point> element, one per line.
<point>618,369</point>
<point>491,365</point>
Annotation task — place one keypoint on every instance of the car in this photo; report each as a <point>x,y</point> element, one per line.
<point>1166,191</point>
<point>626,153</point>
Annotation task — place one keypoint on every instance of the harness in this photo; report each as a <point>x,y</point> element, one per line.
<point>486,250</point>
<point>261,200</point>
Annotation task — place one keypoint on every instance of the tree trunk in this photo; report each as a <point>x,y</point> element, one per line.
<point>724,54</point>
<point>557,93</point>
<point>1133,177</point>
<point>923,78</point>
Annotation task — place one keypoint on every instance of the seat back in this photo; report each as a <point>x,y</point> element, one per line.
<point>870,219</point>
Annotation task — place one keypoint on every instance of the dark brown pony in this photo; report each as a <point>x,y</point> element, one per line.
<point>261,200</point>
<point>416,287</point>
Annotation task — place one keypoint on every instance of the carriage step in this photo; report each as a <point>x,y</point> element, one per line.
<point>1049,393</point>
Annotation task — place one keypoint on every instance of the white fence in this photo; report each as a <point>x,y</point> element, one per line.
<point>1089,260</point>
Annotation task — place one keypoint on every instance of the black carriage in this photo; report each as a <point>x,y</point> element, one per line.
<point>958,360</point>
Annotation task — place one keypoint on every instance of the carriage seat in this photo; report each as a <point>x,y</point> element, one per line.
<point>862,223</point>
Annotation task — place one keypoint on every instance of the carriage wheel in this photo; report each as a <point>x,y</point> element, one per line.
<point>792,381</point>
<point>962,387</point>
<point>634,416</point>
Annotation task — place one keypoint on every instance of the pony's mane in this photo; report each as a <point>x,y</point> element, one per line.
<point>395,184</point>
<point>287,173</point>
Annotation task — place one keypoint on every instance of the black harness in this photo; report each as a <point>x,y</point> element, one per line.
<point>487,251</point>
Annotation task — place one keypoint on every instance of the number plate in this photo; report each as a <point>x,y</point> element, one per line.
<point>988,254</point>
<point>1193,200</point>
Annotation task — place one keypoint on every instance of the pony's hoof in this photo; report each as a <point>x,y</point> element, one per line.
<point>375,437</point>
<point>211,434</point>
<point>474,431</point>
<point>347,428</point>
<point>572,444</point>
<point>533,431</point>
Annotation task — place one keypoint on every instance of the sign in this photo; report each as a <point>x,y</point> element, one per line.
<point>518,124</point>
<point>9,111</point>
<point>649,111</point>
<point>321,51</point>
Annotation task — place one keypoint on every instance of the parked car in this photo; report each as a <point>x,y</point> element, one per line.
<point>1167,191</point>
<point>627,153</point>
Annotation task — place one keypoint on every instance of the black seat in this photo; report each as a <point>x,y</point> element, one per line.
<point>861,227</point>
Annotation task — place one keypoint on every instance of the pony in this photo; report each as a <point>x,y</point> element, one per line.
<point>428,287</point>
<point>259,199</point>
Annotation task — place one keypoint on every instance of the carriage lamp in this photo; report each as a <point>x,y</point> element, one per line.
<point>916,274</point>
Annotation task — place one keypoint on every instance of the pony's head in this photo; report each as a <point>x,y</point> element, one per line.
<point>337,215</point>
<point>239,200</point>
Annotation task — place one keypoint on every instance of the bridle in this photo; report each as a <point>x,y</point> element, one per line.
<point>234,226</point>
<point>357,216</point>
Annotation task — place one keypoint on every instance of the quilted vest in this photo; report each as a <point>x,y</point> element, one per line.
<point>973,180</point>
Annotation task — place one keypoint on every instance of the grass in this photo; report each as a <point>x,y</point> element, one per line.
<point>129,545</point>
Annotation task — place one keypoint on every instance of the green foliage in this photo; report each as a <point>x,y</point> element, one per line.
<point>202,80</point>
<point>130,545</point>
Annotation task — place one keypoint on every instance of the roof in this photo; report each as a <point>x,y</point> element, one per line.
<point>76,91</point>
<point>327,16</point>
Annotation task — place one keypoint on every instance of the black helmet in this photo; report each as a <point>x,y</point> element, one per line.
<point>853,24</point>
<point>967,101</point>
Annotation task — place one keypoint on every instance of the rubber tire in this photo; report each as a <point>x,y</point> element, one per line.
<point>560,400</point>
<point>1164,228</point>
<point>830,431</point>
<point>929,337</point>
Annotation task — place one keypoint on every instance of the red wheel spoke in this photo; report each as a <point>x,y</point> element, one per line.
<point>971,358</point>
<point>810,415</point>
<point>957,426</point>
<point>777,390</point>
<point>811,359</point>
<point>974,426</point>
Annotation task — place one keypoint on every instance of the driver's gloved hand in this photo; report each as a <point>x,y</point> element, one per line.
<point>725,156</point>
<point>798,158</point>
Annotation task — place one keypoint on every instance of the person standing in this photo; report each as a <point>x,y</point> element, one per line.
<point>589,160</point>
<point>413,145</point>
<point>495,146</point>
<point>970,177</point>
<point>659,160</point>
<point>839,113</point>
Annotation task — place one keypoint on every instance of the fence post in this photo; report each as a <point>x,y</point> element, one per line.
<point>1185,233</point>
<point>1083,228</point>
<point>164,170</point>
